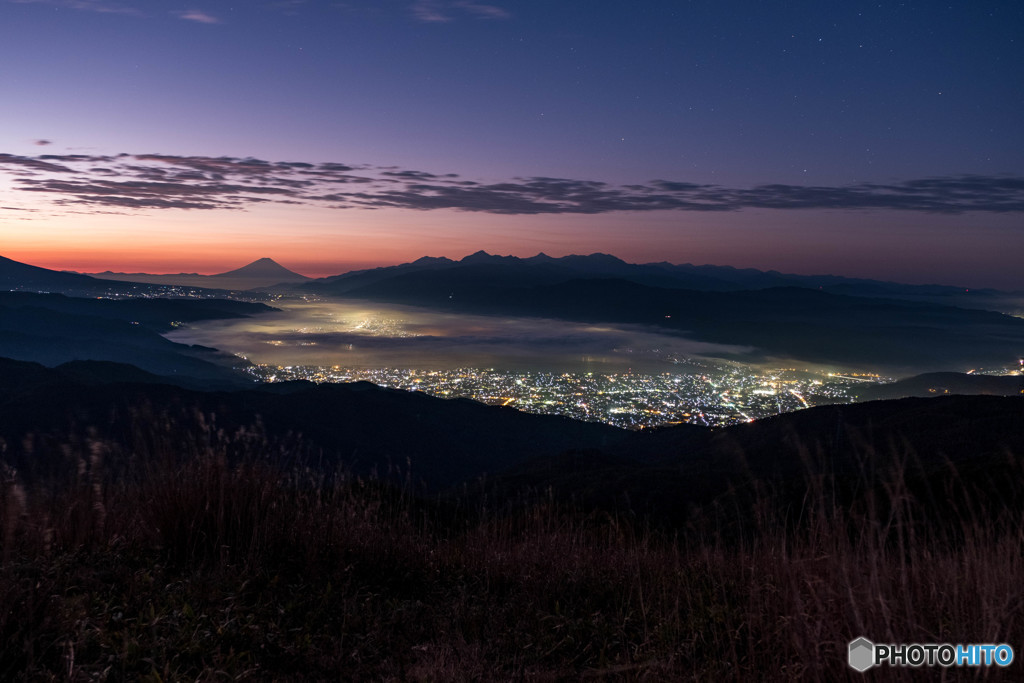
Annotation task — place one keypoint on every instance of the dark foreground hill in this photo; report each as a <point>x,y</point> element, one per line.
<point>150,532</point>
<point>437,444</point>
<point>361,427</point>
<point>937,445</point>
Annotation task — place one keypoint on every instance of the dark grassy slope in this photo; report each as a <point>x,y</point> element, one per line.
<point>152,533</point>
<point>53,329</point>
<point>203,571</point>
<point>842,438</point>
<point>148,532</point>
<point>668,474</point>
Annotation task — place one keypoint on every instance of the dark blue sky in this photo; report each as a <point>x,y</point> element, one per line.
<point>851,126</point>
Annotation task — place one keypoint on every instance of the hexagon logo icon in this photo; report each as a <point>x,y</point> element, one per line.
<point>862,654</point>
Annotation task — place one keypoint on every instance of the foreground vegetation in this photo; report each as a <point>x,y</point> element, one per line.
<point>219,568</point>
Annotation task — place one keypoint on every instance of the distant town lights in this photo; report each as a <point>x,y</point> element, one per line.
<point>628,400</point>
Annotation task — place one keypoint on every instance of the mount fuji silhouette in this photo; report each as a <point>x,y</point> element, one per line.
<point>264,272</point>
<point>264,268</point>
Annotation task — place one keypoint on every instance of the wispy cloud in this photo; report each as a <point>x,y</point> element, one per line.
<point>439,11</point>
<point>199,16</point>
<point>33,163</point>
<point>42,143</point>
<point>162,181</point>
<point>287,6</point>
<point>482,10</point>
<point>85,5</point>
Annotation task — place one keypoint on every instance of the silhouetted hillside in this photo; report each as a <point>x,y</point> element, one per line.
<point>444,442</point>
<point>951,444</point>
<point>54,329</point>
<point>367,428</point>
<point>238,534</point>
<point>939,383</point>
<point>22,277</point>
<point>156,314</point>
<point>543,269</point>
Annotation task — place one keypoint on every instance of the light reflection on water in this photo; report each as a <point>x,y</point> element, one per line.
<point>371,335</point>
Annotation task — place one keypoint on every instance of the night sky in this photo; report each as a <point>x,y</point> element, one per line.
<point>878,139</point>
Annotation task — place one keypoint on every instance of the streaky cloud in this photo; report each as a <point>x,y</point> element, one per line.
<point>85,5</point>
<point>162,181</point>
<point>34,163</point>
<point>199,16</point>
<point>444,11</point>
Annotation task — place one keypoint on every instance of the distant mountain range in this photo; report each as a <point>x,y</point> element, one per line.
<point>543,269</point>
<point>15,275</point>
<point>783,317</point>
<point>264,272</point>
<point>898,328</point>
<point>22,277</point>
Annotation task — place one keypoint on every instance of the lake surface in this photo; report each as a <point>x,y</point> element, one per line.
<point>371,335</point>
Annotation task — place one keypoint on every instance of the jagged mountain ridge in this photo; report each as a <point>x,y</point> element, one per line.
<point>545,269</point>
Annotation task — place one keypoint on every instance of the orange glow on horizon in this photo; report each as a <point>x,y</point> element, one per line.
<point>321,243</point>
<point>170,263</point>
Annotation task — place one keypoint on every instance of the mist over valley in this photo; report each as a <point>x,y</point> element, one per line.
<point>362,334</point>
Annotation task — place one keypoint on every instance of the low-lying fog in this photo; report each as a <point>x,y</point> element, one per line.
<point>371,335</point>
